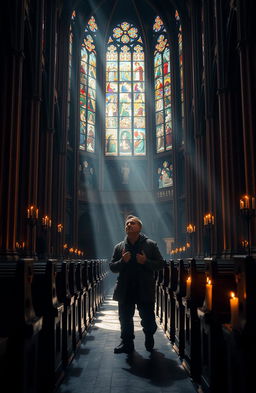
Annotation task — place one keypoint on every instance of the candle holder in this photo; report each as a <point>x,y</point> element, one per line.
<point>209,222</point>
<point>46,223</point>
<point>59,228</point>
<point>21,247</point>
<point>32,219</point>
<point>191,229</point>
<point>65,250</point>
<point>247,209</point>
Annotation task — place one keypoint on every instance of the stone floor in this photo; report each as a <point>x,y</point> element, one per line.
<point>96,369</point>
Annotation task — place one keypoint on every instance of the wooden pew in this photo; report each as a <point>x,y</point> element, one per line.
<point>172,286</point>
<point>96,265</point>
<point>194,298</point>
<point>239,333</point>
<point>87,286</point>
<point>215,312</point>
<point>82,298</point>
<point>46,304</point>
<point>19,328</point>
<point>77,299</point>
<point>92,289</point>
<point>179,341</point>
<point>159,278</point>
<point>164,296</point>
<point>68,300</point>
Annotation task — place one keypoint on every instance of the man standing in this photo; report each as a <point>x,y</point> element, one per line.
<point>135,259</point>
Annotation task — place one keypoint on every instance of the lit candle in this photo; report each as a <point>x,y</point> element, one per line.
<point>246,199</point>
<point>241,204</point>
<point>234,309</point>
<point>191,228</point>
<point>208,294</point>
<point>188,286</point>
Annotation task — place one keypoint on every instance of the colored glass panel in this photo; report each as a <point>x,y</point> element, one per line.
<point>125,93</point>
<point>180,49</point>
<point>88,88</point>
<point>165,175</point>
<point>162,76</point>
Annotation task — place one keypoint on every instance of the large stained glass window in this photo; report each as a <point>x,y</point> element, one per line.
<point>88,88</point>
<point>70,49</point>
<point>162,78</point>
<point>180,48</point>
<point>125,93</point>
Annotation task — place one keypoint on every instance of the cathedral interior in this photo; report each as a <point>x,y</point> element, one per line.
<point>111,108</point>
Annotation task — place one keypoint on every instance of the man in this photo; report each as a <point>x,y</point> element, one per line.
<point>135,259</point>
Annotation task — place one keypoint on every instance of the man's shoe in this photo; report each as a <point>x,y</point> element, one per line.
<point>149,342</point>
<point>124,348</point>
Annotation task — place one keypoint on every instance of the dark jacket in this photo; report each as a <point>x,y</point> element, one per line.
<point>135,277</point>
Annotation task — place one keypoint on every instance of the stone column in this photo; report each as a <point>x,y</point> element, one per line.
<point>10,124</point>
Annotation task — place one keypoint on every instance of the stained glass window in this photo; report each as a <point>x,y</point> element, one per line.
<point>70,49</point>
<point>162,77</point>
<point>125,128</point>
<point>180,48</point>
<point>165,175</point>
<point>88,88</point>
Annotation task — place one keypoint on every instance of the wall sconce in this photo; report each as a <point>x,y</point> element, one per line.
<point>191,228</point>
<point>46,222</point>
<point>59,228</point>
<point>32,212</point>
<point>208,219</point>
<point>247,206</point>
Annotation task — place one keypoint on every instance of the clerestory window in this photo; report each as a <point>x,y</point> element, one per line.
<point>125,128</point>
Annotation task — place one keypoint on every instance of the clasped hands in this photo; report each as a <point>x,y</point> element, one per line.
<point>141,258</point>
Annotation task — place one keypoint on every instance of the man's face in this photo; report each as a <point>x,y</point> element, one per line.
<point>132,226</point>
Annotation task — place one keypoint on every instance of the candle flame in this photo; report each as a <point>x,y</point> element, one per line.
<point>232,294</point>
<point>189,278</point>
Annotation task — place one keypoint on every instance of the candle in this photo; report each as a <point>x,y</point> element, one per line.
<point>208,294</point>
<point>188,288</point>
<point>246,199</point>
<point>241,204</point>
<point>234,304</point>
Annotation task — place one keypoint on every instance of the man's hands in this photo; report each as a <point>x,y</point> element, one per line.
<point>141,258</point>
<point>126,255</point>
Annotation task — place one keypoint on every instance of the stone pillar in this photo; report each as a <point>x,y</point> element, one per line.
<point>247,54</point>
<point>199,163</point>
<point>10,124</point>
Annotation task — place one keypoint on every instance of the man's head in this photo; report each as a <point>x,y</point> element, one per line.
<point>132,225</point>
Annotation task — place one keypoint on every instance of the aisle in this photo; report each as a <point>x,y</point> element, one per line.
<point>96,369</point>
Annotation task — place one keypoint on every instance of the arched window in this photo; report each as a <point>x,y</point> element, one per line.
<point>125,93</point>
<point>180,48</point>
<point>162,77</point>
<point>88,88</point>
<point>70,49</point>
